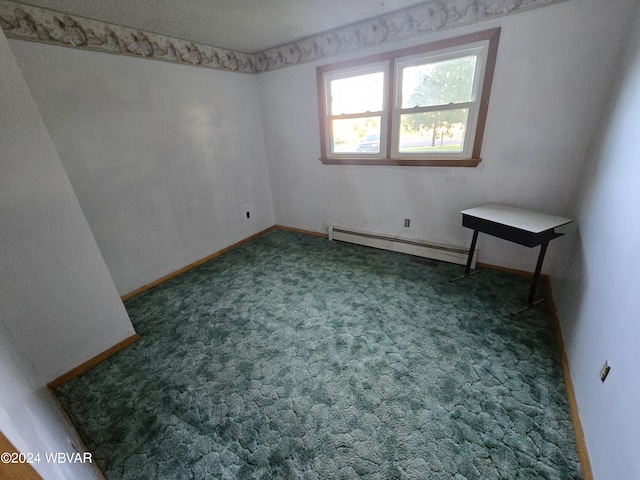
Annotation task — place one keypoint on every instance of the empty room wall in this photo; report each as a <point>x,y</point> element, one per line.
<point>596,286</point>
<point>165,159</point>
<point>58,304</point>
<point>551,77</point>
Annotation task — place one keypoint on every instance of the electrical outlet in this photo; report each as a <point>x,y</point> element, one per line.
<point>407,222</point>
<point>604,371</point>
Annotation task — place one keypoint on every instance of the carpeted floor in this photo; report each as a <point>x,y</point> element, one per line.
<point>295,357</point>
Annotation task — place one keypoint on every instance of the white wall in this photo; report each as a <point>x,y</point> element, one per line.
<point>165,159</point>
<point>551,77</point>
<point>58,300</point>
<point>597,286</point>
<point>58,304</point>
<point>30,419</point>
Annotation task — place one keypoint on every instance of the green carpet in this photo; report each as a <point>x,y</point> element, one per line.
<point>295,357</point>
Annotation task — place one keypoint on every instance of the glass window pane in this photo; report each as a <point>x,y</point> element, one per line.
<point>359,94</point>
<point>438,83</point>
<point>356,135</point>
<point>441,131</point>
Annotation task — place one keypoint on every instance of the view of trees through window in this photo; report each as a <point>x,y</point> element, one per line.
<point>431,118</point>
<point>422,105</point>
<point>432,94</point>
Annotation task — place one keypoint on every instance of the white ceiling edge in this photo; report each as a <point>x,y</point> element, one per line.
<point>248,26</point>
<point>26,22</point>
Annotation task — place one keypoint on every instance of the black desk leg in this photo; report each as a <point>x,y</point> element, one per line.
<point>467,270</point>
<point>534,283</point>
<point>471,250</point>
<point>536,275</point>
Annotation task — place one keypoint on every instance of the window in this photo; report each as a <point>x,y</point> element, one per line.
<point>424,105</point>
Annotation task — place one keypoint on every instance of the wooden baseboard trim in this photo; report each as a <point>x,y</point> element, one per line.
<point>191,266</point>
<point>92,362</point>
<point>514,271</point>
<point>299,230</point>
<point>581,444</point>
<point>197,263</point>
<point>76,442</point>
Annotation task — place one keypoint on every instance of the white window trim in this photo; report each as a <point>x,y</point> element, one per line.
<point>479,49</point>
<point>328,77</point>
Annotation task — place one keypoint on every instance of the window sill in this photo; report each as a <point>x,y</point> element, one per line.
<point>404,162</point>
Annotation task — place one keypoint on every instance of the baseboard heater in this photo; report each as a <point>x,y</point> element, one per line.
<point>411,246</point>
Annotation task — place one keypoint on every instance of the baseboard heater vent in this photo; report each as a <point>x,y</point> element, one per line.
<point>419,248</point>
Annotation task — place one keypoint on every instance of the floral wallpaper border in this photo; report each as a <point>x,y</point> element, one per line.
<point>38,24</point>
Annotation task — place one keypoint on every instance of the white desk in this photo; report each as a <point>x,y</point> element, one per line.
<point>517,225</point>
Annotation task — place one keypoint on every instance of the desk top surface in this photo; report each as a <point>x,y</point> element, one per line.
<point>517,217</point>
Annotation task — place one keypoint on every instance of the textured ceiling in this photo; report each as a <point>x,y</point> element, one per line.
<point>248,26</point>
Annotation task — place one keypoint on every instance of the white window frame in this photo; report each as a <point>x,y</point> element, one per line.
<point>484,44</point>
<point>478,49</point>
<point>328,77</point>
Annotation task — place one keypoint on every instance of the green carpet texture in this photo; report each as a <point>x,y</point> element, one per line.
<point>293,357</point>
